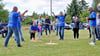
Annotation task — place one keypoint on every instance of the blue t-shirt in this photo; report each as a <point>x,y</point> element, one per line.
<point>35,28</point>
<point>61,20</point>
<point>13,19</point>
<point>92,22</point>
<point>19,22</point>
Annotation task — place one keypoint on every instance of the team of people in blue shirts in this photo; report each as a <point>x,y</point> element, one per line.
<point>14,26</point>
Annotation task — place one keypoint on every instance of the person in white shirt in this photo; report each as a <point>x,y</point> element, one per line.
<point>98,26</point>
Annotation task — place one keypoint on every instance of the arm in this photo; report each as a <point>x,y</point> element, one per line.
<point>24,13</point>
<point>54,14</point>
<point>33,31</point>
<point>91,18</point>
<point>65,12</point>
<point>24,19</point>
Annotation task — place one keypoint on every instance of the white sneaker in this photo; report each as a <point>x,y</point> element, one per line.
<point>96,39</point>
<point>76,38</point>
<point>92,43</point>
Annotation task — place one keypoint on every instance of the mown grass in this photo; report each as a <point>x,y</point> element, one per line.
<point>67,47</point>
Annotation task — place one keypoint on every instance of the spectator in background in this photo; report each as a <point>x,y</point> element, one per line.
<point>61,21</point>
<point>53,25</point>
<point>76,22</point>
<point>89,30</point>
<point>40,20</point>
<point>98,26</point>
<point>47,25</point>
<point>92,23</point>
<point>39,30</point>
<point>57,27</point>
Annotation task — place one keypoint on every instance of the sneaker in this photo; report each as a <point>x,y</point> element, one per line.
<point>5,46</point>
<point>59,39</point>
<point>23,40</point>
<point>96,39</point>
<point>19,46</point>
<point>76,38</point>
<point>92,43</point>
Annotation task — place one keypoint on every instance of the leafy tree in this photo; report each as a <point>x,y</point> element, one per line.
<point>95,3</point>
<point>73,8</point>
<point>3,13</point>
<point>83,15</point>
<point>35,15</point>
<point>4,16</point>
<point>68,19</point>
<point>83,5</point>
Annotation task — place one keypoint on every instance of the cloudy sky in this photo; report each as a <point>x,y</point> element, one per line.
<point>38,6</point>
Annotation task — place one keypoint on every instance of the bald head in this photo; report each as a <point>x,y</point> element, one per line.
<point>15,8</point>
<point>61,13</point>
<point>47,17</point>
<point>40,17</point>
<point>90,9</point>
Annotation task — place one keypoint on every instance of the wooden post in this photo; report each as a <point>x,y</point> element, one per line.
<point>51,41</point>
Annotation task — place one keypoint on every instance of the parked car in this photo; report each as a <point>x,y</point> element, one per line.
<point>67,27</point>
<point>3,24</point>
<point>3,29</point>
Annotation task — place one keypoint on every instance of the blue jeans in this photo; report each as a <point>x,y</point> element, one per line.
<point>57,30</point>
<point>10,32</point>
<point>20,33</point>
<point>98,34</point>
<point>47,28</point>
<point>39,34</point>
<point>61,32</point>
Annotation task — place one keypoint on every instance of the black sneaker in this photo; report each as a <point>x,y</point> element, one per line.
<point>19,46</point>
<point>5,46</point>
<point>60,39</point>
<point>23,40</point>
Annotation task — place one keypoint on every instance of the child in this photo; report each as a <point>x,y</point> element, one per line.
<point>39,30</point>
<point>33,30</point>
<point>53,25</point>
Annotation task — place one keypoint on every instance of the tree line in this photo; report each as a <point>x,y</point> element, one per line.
<point>75,8</point>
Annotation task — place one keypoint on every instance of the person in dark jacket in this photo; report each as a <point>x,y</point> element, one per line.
<point>47,25</point>
<point>76,22</point>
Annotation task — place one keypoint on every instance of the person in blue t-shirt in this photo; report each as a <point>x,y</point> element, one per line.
<point>61,23</point>
<point>13,26</point>
<point>33,30</point>
<point>92,23</point>
<point>20,27</point>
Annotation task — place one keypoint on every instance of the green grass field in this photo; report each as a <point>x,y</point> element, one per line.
<point>68,47</point>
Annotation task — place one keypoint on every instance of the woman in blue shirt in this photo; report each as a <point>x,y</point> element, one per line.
<point>33,30</point>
